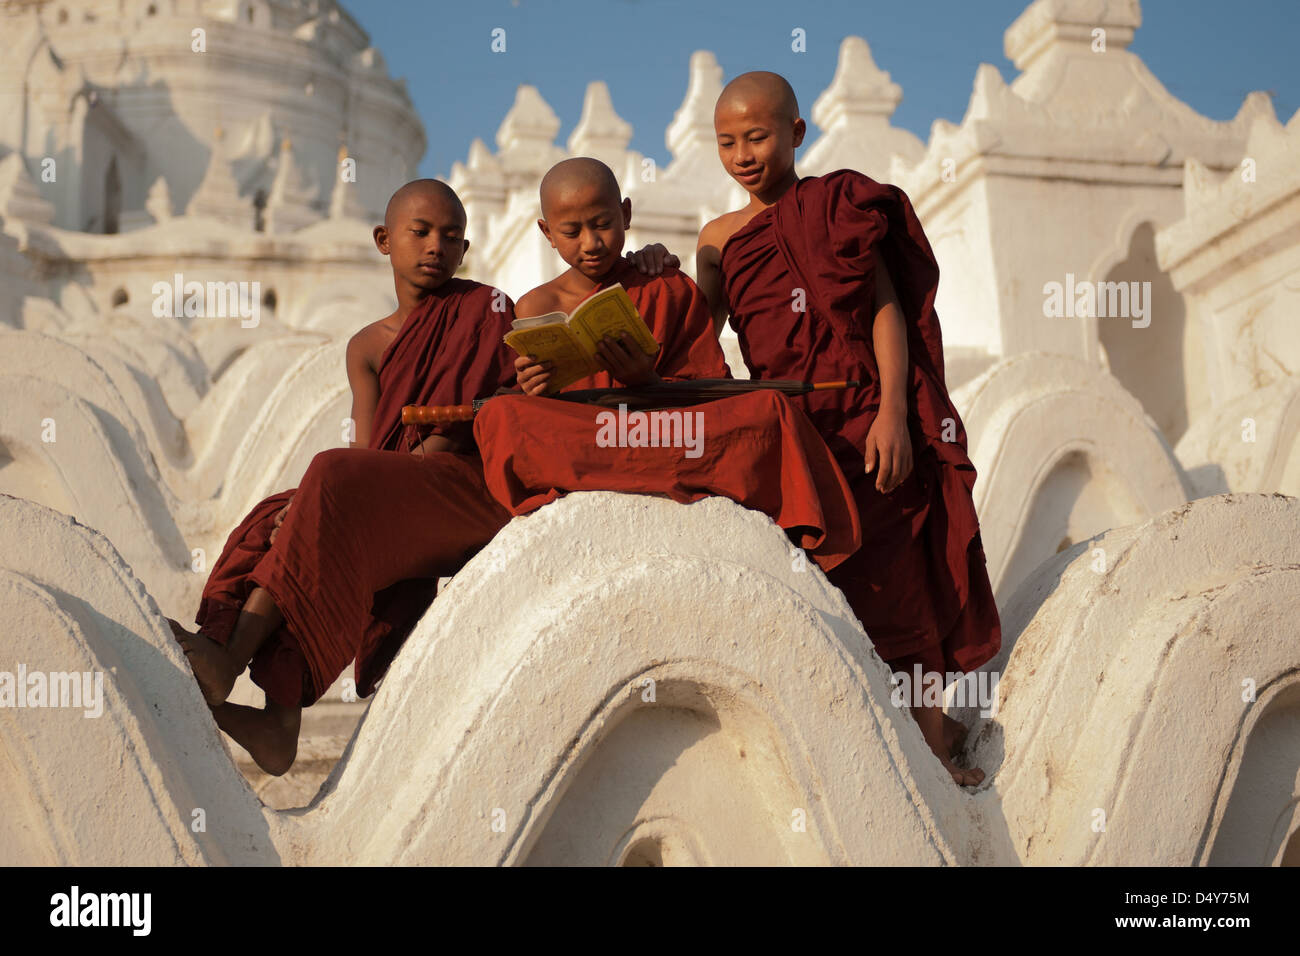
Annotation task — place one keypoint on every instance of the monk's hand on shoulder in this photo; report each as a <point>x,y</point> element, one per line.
<point>653,259</point>
<point>626,361</point>
<point>533,376</point>
<point>889,448</point>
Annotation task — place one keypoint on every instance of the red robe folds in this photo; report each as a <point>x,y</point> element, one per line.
<point>919,583</point>
<point>755,449</point>
<point>371,529</point>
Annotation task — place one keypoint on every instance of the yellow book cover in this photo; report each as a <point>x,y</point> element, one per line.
<point>570,340</point>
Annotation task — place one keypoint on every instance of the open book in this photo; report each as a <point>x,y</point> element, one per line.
<point>570,340</point>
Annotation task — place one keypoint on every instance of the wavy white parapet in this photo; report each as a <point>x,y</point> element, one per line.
<point>120,789</point>
<point>1062,452</point>
<point>90,433</point>
<point>1151,698</point>
<point>622,679</point>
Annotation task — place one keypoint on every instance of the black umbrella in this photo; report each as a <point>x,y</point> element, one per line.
<point>642,398</point>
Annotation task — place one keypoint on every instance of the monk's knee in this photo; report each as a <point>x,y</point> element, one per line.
<point>332,461</point>
<point>336,469</point>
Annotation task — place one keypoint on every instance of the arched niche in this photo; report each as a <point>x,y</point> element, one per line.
<point>637,798</point>
<point>1161,360</point>
<point>1079,496</point>
<point>1260,825</point>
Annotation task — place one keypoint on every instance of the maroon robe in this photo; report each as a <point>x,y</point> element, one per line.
<point>919,583</point>
<point>754,449</point>
<point>358,555</point>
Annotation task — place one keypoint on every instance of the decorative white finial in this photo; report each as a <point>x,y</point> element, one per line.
<point>600,133</point>
<point>530,122</point>
<point>291,204</point>
<point>859,88</point>
<point>345,199</point>
<point>218,194</point>
<point>1045,24</point>
<point>692,125</point>
<point>481,158</point>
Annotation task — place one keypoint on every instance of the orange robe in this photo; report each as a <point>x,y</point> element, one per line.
<point>919,583</point>
<point>756,449</point>
<point>371,529</point>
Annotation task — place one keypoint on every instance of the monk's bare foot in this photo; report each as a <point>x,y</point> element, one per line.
<point>211,664</point>
<point>269,735</point>
<point>963,778</point>
<point>933,728</point>
<point>954,735</point>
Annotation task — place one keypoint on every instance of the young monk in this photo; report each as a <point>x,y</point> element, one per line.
<point>584,217</point>
<point>343,566</point>
<point>854,252</point>
<point>731,441</point>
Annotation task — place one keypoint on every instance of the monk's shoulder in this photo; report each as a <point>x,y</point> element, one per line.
<point>841,188</point>
<point>474,301</point>
<point>839,177</point>
<point>367,345</point>
<point>467,294</point>
<point>539,301</point>
<point>716,232</point>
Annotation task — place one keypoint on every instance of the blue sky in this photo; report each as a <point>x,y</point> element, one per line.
<point>1209,53</point>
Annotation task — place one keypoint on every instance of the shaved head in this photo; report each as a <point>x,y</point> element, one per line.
<point>757,90</point>
<point>584,215</point>
<point>420,189</point>
<point>579,175</point>
<point>423,235</point>
<point>758,129</point>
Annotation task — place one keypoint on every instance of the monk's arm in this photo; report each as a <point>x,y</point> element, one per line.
<point>435,443</point>
<point>709,275</point>
<point>365,389</point>
<point>889,337</point>
<point>531,375</point>
<point>889,447</point>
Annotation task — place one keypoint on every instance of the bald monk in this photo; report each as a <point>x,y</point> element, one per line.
<point>584,218</point>
<point>854,253</point>
<point>343,567</point>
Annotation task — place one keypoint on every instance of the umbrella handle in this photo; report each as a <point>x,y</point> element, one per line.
<point>436,414</point>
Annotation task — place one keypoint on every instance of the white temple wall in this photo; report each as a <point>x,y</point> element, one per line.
<point>1235,255</point>
<point>967,301</point>
<point>1078,225</point>
<point>290,272</point>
